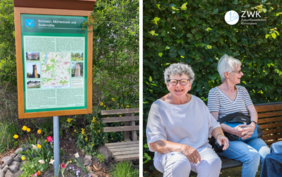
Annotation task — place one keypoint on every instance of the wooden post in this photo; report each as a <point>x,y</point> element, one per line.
<point>126,133</point>
<point>134,134</point>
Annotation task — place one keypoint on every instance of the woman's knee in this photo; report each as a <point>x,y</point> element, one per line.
<point>253,156</point>
<point>181,164</point>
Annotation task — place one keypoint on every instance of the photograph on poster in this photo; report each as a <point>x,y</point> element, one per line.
<point>31,84</point>
<point>76,69</point>
<point>213,59</point>
<point>33,70</point>
<point>78,56</point>
<point>32,56</point>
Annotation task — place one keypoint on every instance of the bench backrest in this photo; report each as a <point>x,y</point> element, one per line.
<point>270,121</point>
<point>129,121</point>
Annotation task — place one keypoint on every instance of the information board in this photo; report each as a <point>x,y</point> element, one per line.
<point>54,63</point>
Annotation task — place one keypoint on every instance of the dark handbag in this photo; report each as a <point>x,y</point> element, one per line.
<point>234,120</point>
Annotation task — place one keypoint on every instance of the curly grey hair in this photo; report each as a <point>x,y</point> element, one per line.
<point>226,63</point>
<point>179,68</point>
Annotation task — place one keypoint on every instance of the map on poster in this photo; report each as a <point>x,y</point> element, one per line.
<point>55,69</point>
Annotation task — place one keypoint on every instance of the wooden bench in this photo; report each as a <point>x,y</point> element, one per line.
<point>129,149</point>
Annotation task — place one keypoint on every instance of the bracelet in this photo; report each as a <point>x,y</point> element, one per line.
<point>218,134</point>
<point>254,122</point>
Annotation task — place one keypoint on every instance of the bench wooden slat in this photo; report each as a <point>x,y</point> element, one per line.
<point>127,149</point>
<point>120,119</point>
<point>122,146</point>
<point>127,157</point>
<point>120,128</point>
<point>122,143</point>
<point>229,163</point>
<point>125,152</point>
<point>271,142</point>
<point>267,120</point>
<point>270,114</point>
<point>264,126</point>
<point>277,130</point>
<point>268,107</point>
<point>119,111</point>
<point>271,137</point>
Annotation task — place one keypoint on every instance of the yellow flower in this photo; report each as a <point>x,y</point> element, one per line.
<point>74,131</point>
<point>38,146</point>
<point>104,105</point>
<point>16,136</point>
<point>101,103</point>
<point>98,131</point>
<point>103,137</point>
<point>28,130</point>
<point>94,119</point>
<point>70,161</point>
<point>39,131</point>
<point>24,128</point>
<point>92,144</point>
<point>113,99</point>
<point>69,120</point>
<point>119,115</point>
<point>86,139</point>
<point>23,158</point>
<point>127,106</point>
<point>107,141</point>
<point>112,139</point>
<point>107,108</point>
<point>45,140</point>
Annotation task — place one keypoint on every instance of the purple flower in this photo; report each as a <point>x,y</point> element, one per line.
<point>23,149</point>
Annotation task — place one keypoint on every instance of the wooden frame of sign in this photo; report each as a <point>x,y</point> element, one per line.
<point>59,8</point>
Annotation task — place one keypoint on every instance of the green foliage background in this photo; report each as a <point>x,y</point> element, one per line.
<point>196,33</point>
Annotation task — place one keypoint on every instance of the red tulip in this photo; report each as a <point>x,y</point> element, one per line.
<point>63,165</point>
<point>49,139</point>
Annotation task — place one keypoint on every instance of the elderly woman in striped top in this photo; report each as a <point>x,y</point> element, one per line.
<point>229,98</point>
<point>178,128</point>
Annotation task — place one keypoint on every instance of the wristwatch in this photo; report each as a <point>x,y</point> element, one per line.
<point>254,122</point>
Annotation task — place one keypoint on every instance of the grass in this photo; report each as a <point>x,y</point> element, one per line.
<point>124,169</point>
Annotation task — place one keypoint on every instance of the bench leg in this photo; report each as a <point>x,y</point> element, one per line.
<point>126,133</point>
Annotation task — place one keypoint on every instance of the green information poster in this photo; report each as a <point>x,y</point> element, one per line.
<point>54,62</point>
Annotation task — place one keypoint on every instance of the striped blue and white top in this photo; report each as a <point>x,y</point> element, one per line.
<point>219,102</point>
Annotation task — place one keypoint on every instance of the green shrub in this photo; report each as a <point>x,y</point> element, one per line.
<point>124,169</point>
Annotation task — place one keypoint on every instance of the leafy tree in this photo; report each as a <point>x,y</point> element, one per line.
<point>7,42</point>
<point>195,32</point>
<point>115,49</point>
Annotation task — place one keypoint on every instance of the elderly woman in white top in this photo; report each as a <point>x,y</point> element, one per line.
<point>229,98</point>
<point>178,128</point>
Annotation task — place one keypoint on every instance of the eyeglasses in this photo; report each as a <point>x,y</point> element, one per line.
<point>183,82</point>
<point>239,72</point>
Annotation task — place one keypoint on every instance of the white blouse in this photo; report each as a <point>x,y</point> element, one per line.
<point>190,123</point>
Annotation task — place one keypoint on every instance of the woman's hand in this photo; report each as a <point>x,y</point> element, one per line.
<point>191,153</point>
<point>239,130</point>
<point>222,140</point>
<point>249,130</point>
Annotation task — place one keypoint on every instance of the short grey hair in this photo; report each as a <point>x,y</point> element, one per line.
<point>179,68</point>
<point>227,64</point>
